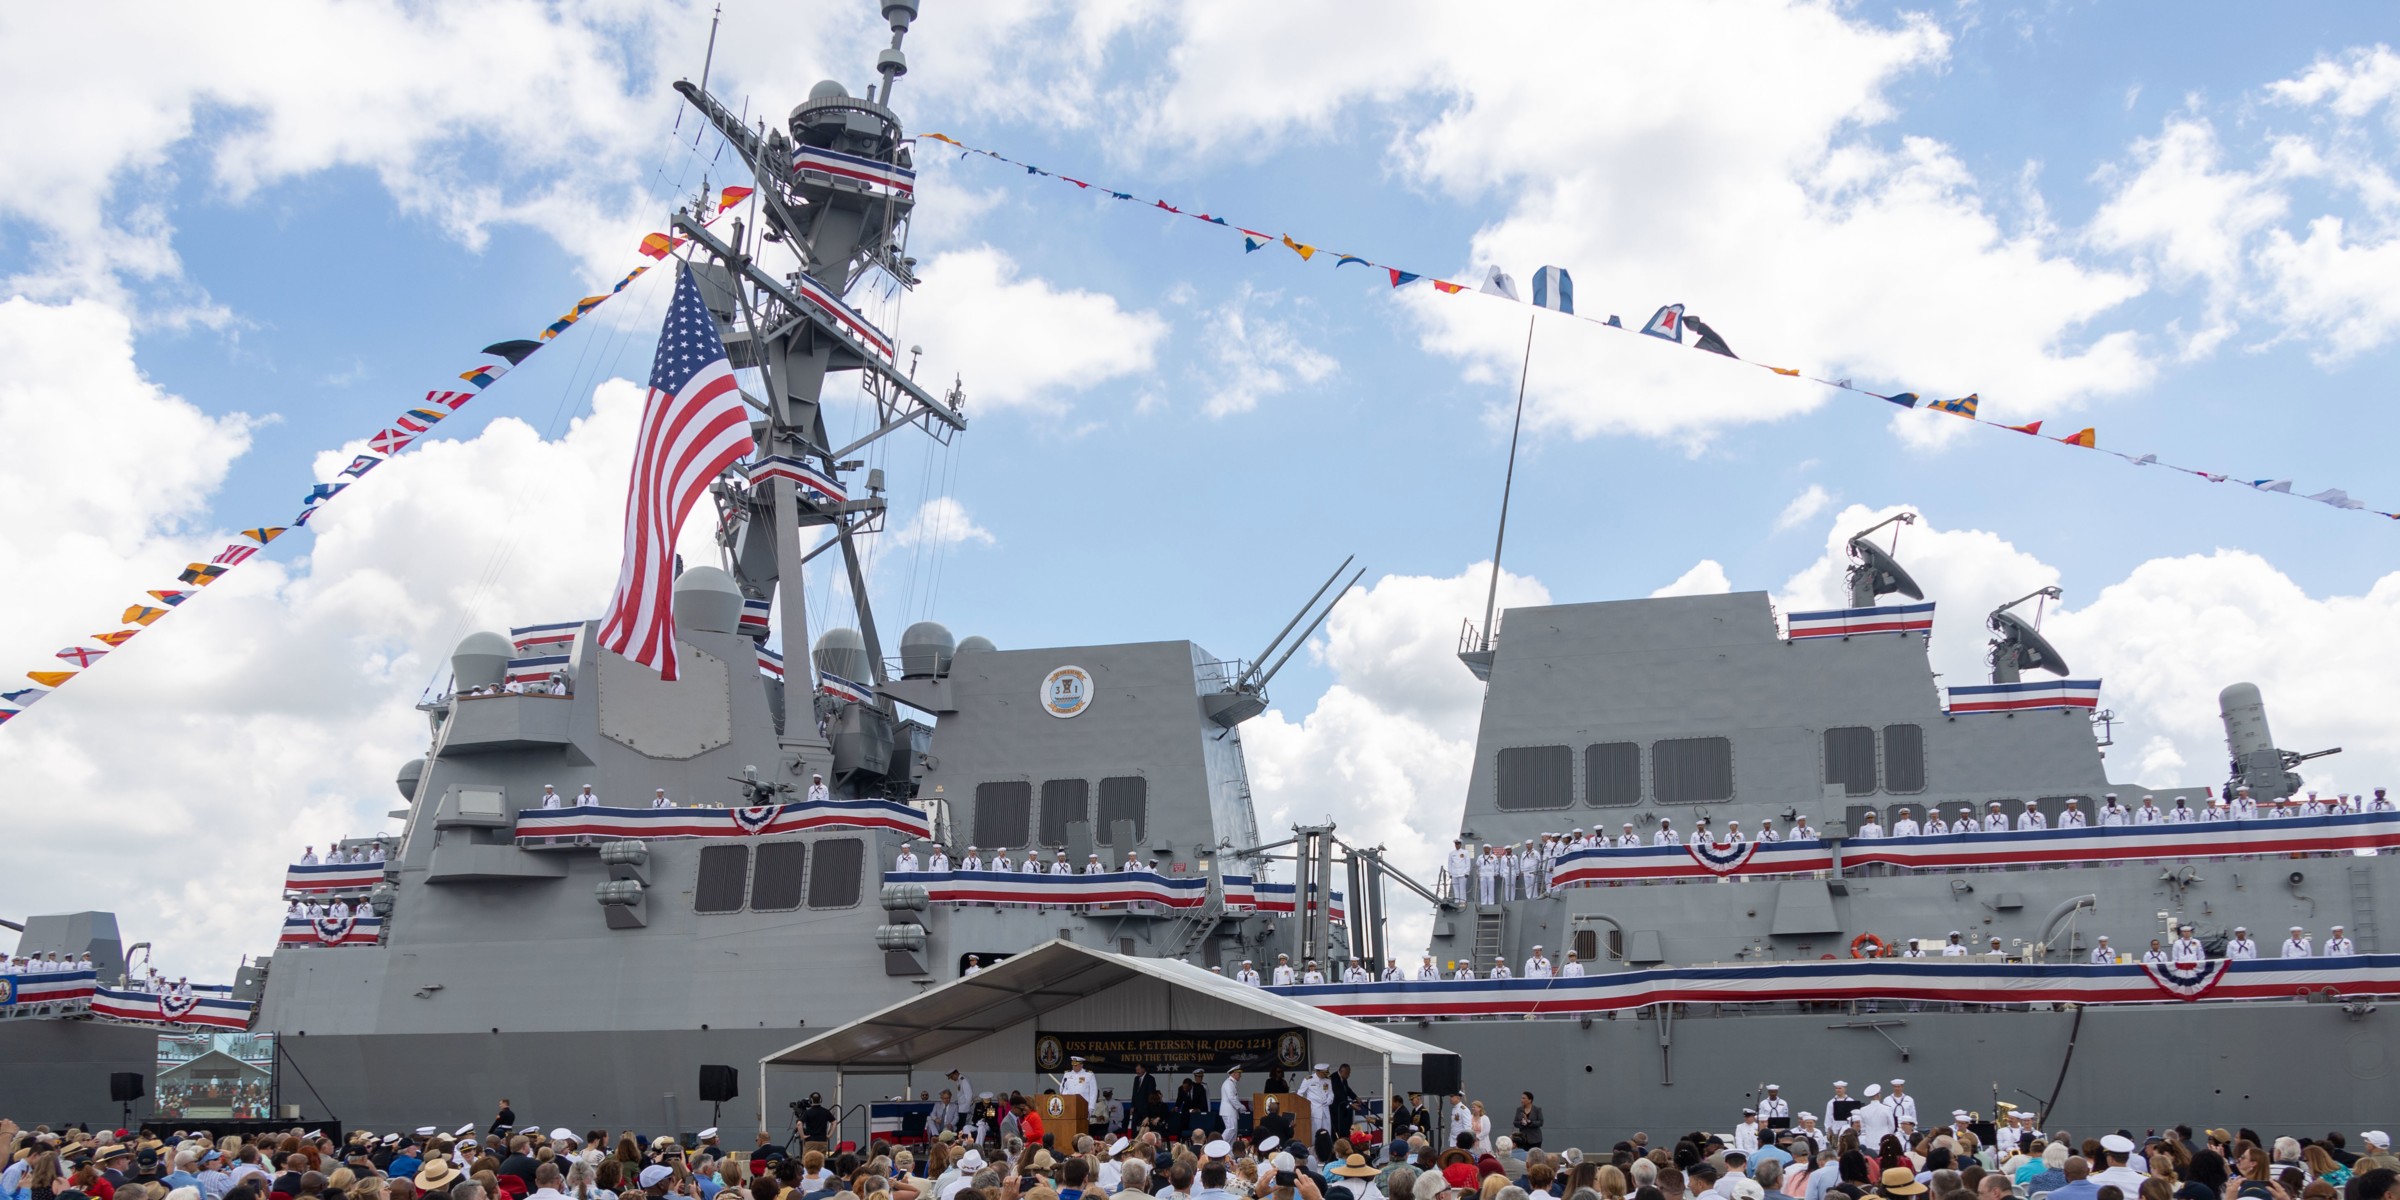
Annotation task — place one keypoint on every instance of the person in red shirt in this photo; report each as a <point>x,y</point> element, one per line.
<point>1029,1124</point>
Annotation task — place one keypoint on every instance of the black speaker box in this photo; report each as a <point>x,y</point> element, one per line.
<point>1443,1074</point>
<point>126,1086</point>
<point>719,1083</point>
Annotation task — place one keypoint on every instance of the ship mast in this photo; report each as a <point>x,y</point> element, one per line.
<point>833,201</point>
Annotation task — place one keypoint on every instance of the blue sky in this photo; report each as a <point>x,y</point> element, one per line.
<point>1172,438</point>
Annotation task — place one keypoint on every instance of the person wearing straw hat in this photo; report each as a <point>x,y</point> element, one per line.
<point>1360,1177</point>
<point>436,1177</point>
<point>1900,1182</point>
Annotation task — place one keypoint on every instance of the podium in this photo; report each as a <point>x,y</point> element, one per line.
<point>1284,1102</point>
<point>1063,1115</point>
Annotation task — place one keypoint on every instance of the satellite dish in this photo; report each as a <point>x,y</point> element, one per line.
<point>1877,573</point>
<point>2021,647</point>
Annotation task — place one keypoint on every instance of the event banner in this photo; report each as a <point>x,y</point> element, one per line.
<point>1212,1050</point>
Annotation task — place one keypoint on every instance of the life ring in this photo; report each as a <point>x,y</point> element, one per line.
<point>1867,945</point>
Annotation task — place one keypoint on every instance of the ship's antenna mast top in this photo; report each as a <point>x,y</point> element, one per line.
<point>892,63</point>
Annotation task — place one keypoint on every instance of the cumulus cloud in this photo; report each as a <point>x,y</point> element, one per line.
<point>1385,751</point>
<point>941,521</point>
<point>1254,356</point>
<point>1022,342</point>
<point>1706,578</point>
<point>1803,508</point>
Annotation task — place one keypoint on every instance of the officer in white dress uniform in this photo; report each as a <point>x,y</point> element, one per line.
<point>1956,947</point>
<point>2102,952</point>
<point>2338,944</point>
<point>1874,1118</point>
<point>1427,970</point>
<point>1317,1089</point>
<point>2071,817</point>
<point>2187,950</point>
<point>1745,1135</point>
<point>2239,947</point>
<point>1774,1107</point>
<point>1508,872</point>
<point>2031,818</point>
<point>1870,828</point>
<point>1230,1105</point>
<point>1248,974</point>
<point>2297,945</point>
<point>1538,966</point>
<point>817,791</point>
<point>1570,969</point>
<point>1078,1081</point>
<point>1905,825</point>
<point>1283,974</point>
<point>1487,875</point>
<point>1459,864</point>
<point>1312,975</point>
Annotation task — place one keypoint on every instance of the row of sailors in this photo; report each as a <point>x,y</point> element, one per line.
<point>337,855</point>
<point>2187,951</point>
<point>937,861</point>
<point>310,910</point>
<point>45,964</point>
<point>818,793</point>
<point>1537,966</point>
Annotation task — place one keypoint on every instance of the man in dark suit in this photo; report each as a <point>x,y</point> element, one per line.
<point>1143,1103</point>
<point>505,1121</point>
<point>1344,1101</point>
<point>1191,1103</point>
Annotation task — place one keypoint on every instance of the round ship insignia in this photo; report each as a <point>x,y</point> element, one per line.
<point>1291,1049</point>
<point>1067,691</point>
<point>8,990</point>
<point>1048,1053</point>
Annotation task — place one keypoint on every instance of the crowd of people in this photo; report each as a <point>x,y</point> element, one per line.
<point>1867,1148</point>
<point>1505,872</point>
<point>50,963</point>
<point>340,855</point>
<point>937,860</point>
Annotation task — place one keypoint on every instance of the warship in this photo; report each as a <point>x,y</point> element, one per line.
<point>765,855</point>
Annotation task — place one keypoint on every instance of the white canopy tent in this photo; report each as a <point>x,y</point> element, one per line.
<point>985,1024</point>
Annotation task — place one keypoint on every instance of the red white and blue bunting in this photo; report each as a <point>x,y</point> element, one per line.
<point>1968,980</point>
<point>2026,696</point>
<point>1043,890</point>
<point>1851,622</point>
<point>357,929</point>
<point>2032,847</point>
<point>331,879</point>
<point>536,826</point>
<point>46,988</point>
<point>191,1010</point>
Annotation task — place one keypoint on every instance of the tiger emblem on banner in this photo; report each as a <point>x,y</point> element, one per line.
<point>175,1008</point>
<point>1722,860</point>
<point>755,819</point>
<point>2187,982</point>
<point>331,930</point>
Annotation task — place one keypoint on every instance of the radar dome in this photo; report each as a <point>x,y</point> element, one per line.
<point>840,651</point>
<point>411,773</point>
<point>827,89</point>
<point>707,600</point>
<point>481,660</point>
<point>976,643</point>
<point>925,650</point>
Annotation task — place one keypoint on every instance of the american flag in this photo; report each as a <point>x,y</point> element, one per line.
<point>694,426</point>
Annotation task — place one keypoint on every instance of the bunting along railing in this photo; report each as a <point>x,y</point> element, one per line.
<point>2032,847</point>
<point>187,1010</point>
<point>1554,289</point>
<point>1241,894</point>
<point>356,929</point>
<point>1041,890</point>
<point>1276,898</point>
<point>537,827</point>
<point>331,879</point>
<point>2026,696</point>
<point>1959,980</point>
<point>1856,622</point>
<point>51,993</point>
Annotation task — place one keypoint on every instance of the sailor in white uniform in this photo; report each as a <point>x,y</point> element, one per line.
<point>2381,802</point>
<point>2244,806</point>
<point>1529,870</point>
<point>1570,969</point>
<point>1874,1118</point>
<point>972,861</point>
<point>308,857</point>
<point>2102,952</point>
<point>1629,839</point>
<point>1248,974</point>
<point>2181,814</point>
<point>2338,944</point>
<point>2155,956</point>
<point>1427,970</point>
<point>974,967</point>
<point>1905,825</point>
<point>937,859</point>
<point>2031,818</point>
<point>1002,863</point>
<point>1079,1081</point>
<point>1284,976</point>
<point>1538,966</point>
<point>1356,973</point>
<point>1230,1105</point>
<point>2239,947</point>
<point>659,799</point>
<point>1666,835</point>
<point>1033,864</point>
<point>1392,972</point>
<point>818,793</point>
<point>1774,1107</point>
<point>340,910</point>
<point>585,798</point>
<point>1995,821</point>
<point>2297,945</point>
<point>2113,814</point>
<point>2071,817</point>
<point>907,861</point>
<point>1313,974</point>
<point>1487,875</point>
<point>1500,969</point>
<point>2187,950</point>
<point>551,798</point>
<point>1317,1089</point>
<point>1766,832</point>
<point>1903,1105</point>
<point>2148,813</point>
<point>1460,862</point>
<point>1871,827</point>
<point>1956,947</point>
<point>1800,830</point>
<point>1745,1135</point>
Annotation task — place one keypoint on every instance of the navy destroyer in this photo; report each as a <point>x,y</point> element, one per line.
<point>762,854</point>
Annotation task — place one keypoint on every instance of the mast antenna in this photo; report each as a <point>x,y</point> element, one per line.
<point>1477,653</point>
<point>707,60</point>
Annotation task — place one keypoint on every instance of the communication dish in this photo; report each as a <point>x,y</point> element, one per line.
<point>2021,647</point>
<point>1877,573</point>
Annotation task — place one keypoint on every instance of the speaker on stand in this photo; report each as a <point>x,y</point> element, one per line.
<point>1443,1075</point>
<point>718,1084</point>
<point>125,1087</point>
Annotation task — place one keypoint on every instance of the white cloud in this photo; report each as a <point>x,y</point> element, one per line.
<point>2164,640</point>
<point>1020,342</point>
<point>1385,751</point>
<point>1803,508</point>
<point>941,521</point>
<point>1255,357</point>
<point>1706,578</point>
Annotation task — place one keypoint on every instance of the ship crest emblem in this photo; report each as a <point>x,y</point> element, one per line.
<point>1067,691</point>
<point>756,819</point>
<point>176,1008</point>
<point>2186,982</point>
<point>8,990</point>
<point>331,930</point>
<point>1722,860</point>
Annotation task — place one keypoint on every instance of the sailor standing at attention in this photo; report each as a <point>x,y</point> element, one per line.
<point>1666,835</point>
<point>1838,1109</point>
<point>1487,874</point>
<point>2032,818</point>
<point>1745,1135</point>
<point>659,799</point>
<point>2071,817</point>
<point>1001,863</point>
<point>308,856</point>
<point>550,797</point>
<point>1870,827</point>
<point>972,861</point>
<point>1956,947</point>
<point>1248,974</point>
<point>2297,945</point>
<point>1391,971</point>
<point>1570,969</point>
<point>1508,873</point>
<point>2239,947</point>
<point>2338,944</point>
<point>937,859</point>
<point>1427,971</point>
<point>2148,813</point>
<point>1317,1089</point>
<point>1313,974</point>
<point>1356,972</point>
<point>1995,821</point>
<point>1774,1107</point>
<point>2155,956</point>
<point>1906,824</point>
<point>2103,953</point>
<point>2244,806</point>
<point>1800,830</point>
<point>1904,1106</point>
<point>1874,1118</point>
<point>1529,870</point>
<point>1465,972</point>
<point>585,798</point>
<point>2113,814</point>
<point>1460,863</point>
<point>1283,976</point>
<point>2181,814</point>
<point>817,792</point>
<point>2187,950</point>
<point>908,857</point>
<point>1538,966</point>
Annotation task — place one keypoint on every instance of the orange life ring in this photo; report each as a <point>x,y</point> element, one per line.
<point>1873,947</point>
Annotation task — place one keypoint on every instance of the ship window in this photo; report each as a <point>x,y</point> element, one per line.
<point>1536,777</point>
<point>1692,770</point>
<point>1903,758</point>
<point>724,878</point>
<point>1003,813</point>
<point>782,871</point>
<point>1850,758</point>
<point>1587,945</point>
<point>834,884</point>
<point>1123,798</point>
<point>1612,774</point>
<point>1064,802</point>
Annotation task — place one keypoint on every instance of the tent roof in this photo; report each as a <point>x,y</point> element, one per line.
<point>1047,977</point>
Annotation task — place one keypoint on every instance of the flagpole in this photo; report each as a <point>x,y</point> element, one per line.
<point>1508,484</point>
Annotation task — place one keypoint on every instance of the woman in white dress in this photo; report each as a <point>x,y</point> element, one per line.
<point>1483,1128</point>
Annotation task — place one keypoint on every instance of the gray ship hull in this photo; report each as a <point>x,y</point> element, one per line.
<point>57,1071</point>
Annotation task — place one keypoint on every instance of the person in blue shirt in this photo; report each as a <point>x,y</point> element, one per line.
<point>407,1163</point>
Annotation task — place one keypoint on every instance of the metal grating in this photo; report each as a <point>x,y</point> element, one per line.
<point>782,874</point>
<point>724,879</point>
<point>1903,758</point>
<point>1064,802</point>
<point>1692,770</point>
<point>1123,798</point>
<point>1850,758</point>
<point>1612,774</point>
<point>834,884</point>
<point>1003,813</point>
<point>1535,777</point>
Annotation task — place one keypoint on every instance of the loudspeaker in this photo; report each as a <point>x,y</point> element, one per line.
<point>125,1087</point>
<point>1442,1075</point>
<point>719,1083</point>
